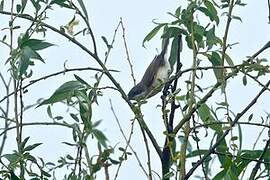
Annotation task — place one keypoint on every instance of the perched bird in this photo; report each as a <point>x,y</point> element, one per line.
<point>157,72</point>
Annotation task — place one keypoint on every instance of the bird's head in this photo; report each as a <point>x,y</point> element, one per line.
<point>137,92</point>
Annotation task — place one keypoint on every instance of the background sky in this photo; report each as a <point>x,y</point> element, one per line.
<point>251,34</point>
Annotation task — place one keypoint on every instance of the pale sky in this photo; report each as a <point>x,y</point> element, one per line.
<point>137,16</point>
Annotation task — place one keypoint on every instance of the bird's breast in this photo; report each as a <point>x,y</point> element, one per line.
<point>163,74</point>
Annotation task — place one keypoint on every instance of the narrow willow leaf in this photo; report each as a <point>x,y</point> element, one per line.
<point>207,118</point>
<point>212,10</point>
<point>13,176</point>
<point>244,80</point>
<point>2,5</point>
<point>152,33</point>
<point>18,8</point>
<point>174,52</point>
<point>64,92</point>
<point>100,137</point>
<point>197,153</point>
<point>49,112</point>
<point>237,18</point>
<point>106,41</point>
<point>36,44</point>
<point>225,161</point>
<point>173,31</point>
<point>31,147</point>
<point>81,80</point>
<point>24,2</point>
<point>228,59</point>
<point>215,59</point>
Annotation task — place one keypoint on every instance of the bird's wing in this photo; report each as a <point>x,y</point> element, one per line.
<point>151,71</point>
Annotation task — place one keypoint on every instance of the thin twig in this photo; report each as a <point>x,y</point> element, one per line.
<point>5,113</point>
<point>86,20</point>
<point>37,124</point>
<point>127,53</point>
<point>209,94</point>
<point>127,139</point>
<point>198,148</point>
<point>148,154</point>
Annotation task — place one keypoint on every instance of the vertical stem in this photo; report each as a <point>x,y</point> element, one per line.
<point>148,155</point>
<point>224,48</point>
<point>15,84</point>
<point>190,105</point>
<point>6,113</point>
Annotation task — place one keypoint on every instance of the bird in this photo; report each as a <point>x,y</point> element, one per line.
<point>156,73</point>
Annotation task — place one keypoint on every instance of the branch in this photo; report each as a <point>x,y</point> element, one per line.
<point>238,116</point>
<point>209,94</point>
<point>127,142</point>
<point>127,53</point>
<point>257,166</point>
<point>86,20</point>
<point>37,124</point>
<point>51,75</point>
<point>106,71</point>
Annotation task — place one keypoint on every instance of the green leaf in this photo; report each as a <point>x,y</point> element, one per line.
<point>173,31</point>
<point>245,80</point>
<point>24,2</point>
<point>225,161</point>
<point>36,44</point>
<point>12,158</point>
<point>86,115</point>
<point>198,34</point>
<point>2,5</point>
<point>36,5</point>
<point>22,145</point>
<point>49,112</point>
<point>83,8</point>
<point>197,153</point>
<point>152,33</point>
<point>207,118</point>
<point>106,42</point>
<point>220,175</point>
<point>65,91</point>
<point>174,52</point>
<point>31,147</point>
<point>212,11</point>
<point>13,176</point>
<point>74,116</point>
<point>100,137</point>
<point>58,118</point>
<point>228,59</point>
<point>81,80</point>
<point>211,38</point>
<point>215,59</point>
<point>18,8</point>
<point>237,18</point>
<point>45,173</point>
<point>24,59</point>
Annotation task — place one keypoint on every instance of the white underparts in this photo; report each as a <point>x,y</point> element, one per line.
<point>163,73</point>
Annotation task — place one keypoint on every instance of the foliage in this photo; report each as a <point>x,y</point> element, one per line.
<point>186,113</point>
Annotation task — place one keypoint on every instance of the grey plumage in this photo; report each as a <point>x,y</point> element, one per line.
<point>158,71</point>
